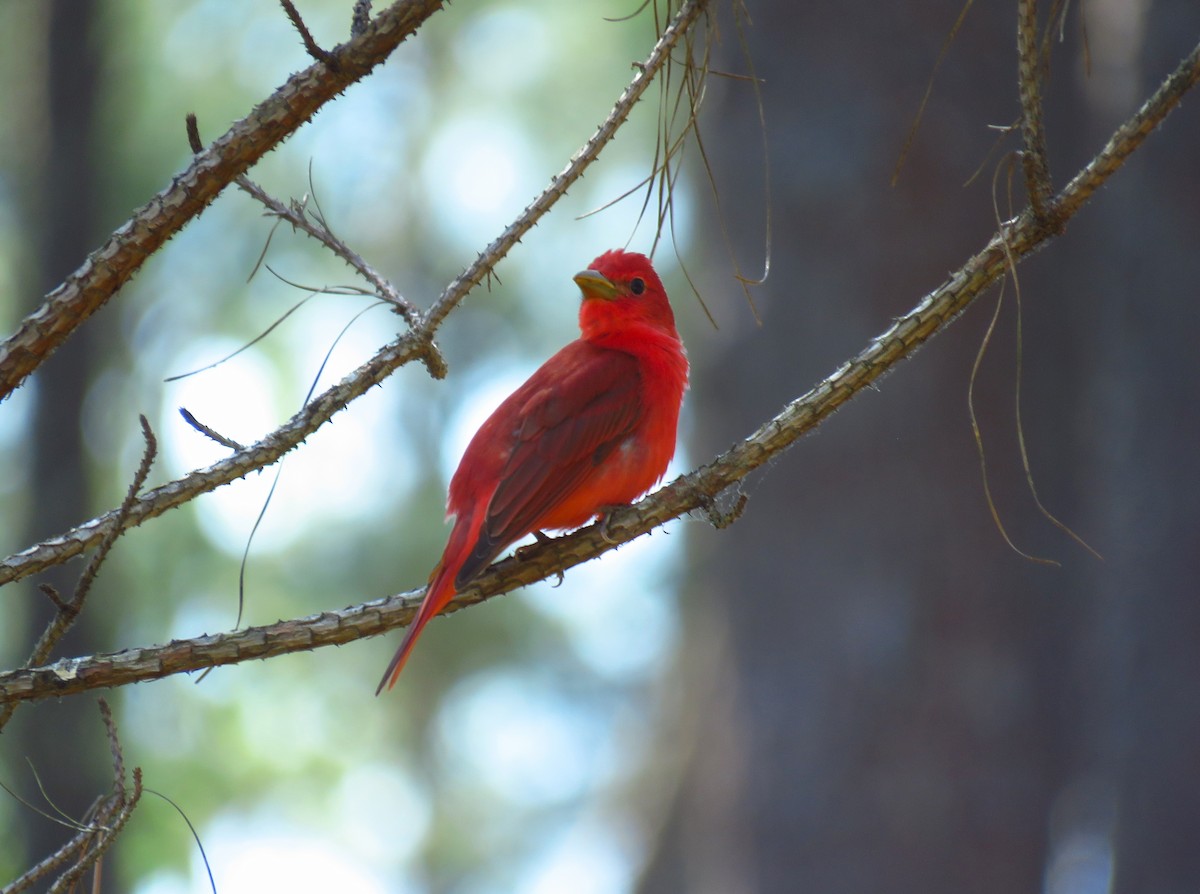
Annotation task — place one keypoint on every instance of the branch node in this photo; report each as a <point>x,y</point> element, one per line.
<point>435,362</point>
<point>53,595</point>
<point>306,36</point>
<point>193,133</point>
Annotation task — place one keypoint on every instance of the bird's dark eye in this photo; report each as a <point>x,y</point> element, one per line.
<point>637,285</point>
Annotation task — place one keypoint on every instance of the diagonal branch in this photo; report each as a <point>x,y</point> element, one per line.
<point>697,490</point>
<point>417,344</point>
<point>269,124</point>
<point>297,214</point>
<point>69,610</point>
<point>688,13</point>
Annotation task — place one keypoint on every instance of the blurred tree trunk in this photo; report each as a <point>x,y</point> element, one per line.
<point>911,706</point>
<point>68,749</point>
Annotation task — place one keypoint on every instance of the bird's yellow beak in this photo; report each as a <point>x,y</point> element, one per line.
<point>593,285</point>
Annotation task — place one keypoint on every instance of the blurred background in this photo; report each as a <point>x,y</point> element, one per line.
<point>857,687</point>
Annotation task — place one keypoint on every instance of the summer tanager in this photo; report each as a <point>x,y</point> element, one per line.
<point>592,429</point>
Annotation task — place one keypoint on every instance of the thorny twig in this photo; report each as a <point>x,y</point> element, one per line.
<point>1033,128</point>
<point>68,610</point>
<point>109,267</point>
<point>100,828</point>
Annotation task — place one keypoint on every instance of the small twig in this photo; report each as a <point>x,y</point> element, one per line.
<point>313,225</point>
<point>361,18</point>
<point>69,611</point>
<point>53,595</point>
<point>298,216</point>
<point>920,113</point>
<point>104,822</point>
<point>139,480</point>
<point>110,818</point>
<point>193,132</point>
<point>1033,128</point>
<point>46,866</point>
<point>114,749</point>
<point>305,35</point>
<point>205,430</point>
<point>112,264</point>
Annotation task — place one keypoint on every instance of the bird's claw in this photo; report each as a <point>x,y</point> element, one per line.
<point>604,518</point>
<point>522,552</point>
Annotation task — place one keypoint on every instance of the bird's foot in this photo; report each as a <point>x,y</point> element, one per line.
<point>604,516</point>
<point>523,552</point>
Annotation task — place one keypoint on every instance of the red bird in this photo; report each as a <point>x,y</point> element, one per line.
<point>592,429</point>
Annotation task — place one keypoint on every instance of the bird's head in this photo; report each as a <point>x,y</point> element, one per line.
<point>621,291</point>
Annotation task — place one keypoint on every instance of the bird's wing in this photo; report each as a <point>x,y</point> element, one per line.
<point>571,414</point>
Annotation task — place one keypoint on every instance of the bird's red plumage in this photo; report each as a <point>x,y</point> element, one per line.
<point>593,428</point>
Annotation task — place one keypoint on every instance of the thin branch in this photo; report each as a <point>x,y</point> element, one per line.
<point>1033,127</point>
<point>416,344</point>
<point>310,45</point>
<point>255,456</point>
<point>105,821</point>
<point>69,610</point>
<point>109,267</point>
<point>1130,135</point>
<point>696,490</point>
<point>296,214</point>
<point>688,13</point>
<point>213,434</point>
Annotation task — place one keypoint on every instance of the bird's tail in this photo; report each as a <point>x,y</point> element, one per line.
<point>439,592</point>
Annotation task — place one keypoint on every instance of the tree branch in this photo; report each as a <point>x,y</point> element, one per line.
<point>99,829</point>
<point>697,490</point>
<point>1033,129</point>
<point>271,122</point>
<point>69,610</point>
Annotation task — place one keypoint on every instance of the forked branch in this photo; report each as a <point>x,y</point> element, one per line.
<point>268,125</point>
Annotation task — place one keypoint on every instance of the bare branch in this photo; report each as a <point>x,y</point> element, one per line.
<point>1033,128</point>
<point>214,435</point>
<point>688,13</point>
<point>251,458</point>
<point>271,122</point>
<point>1130,135</point>
<point>69,610</point>
<point>297,216</point>
<point>105,821</point>
<point>310,45</point>
<point>697,490</point>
